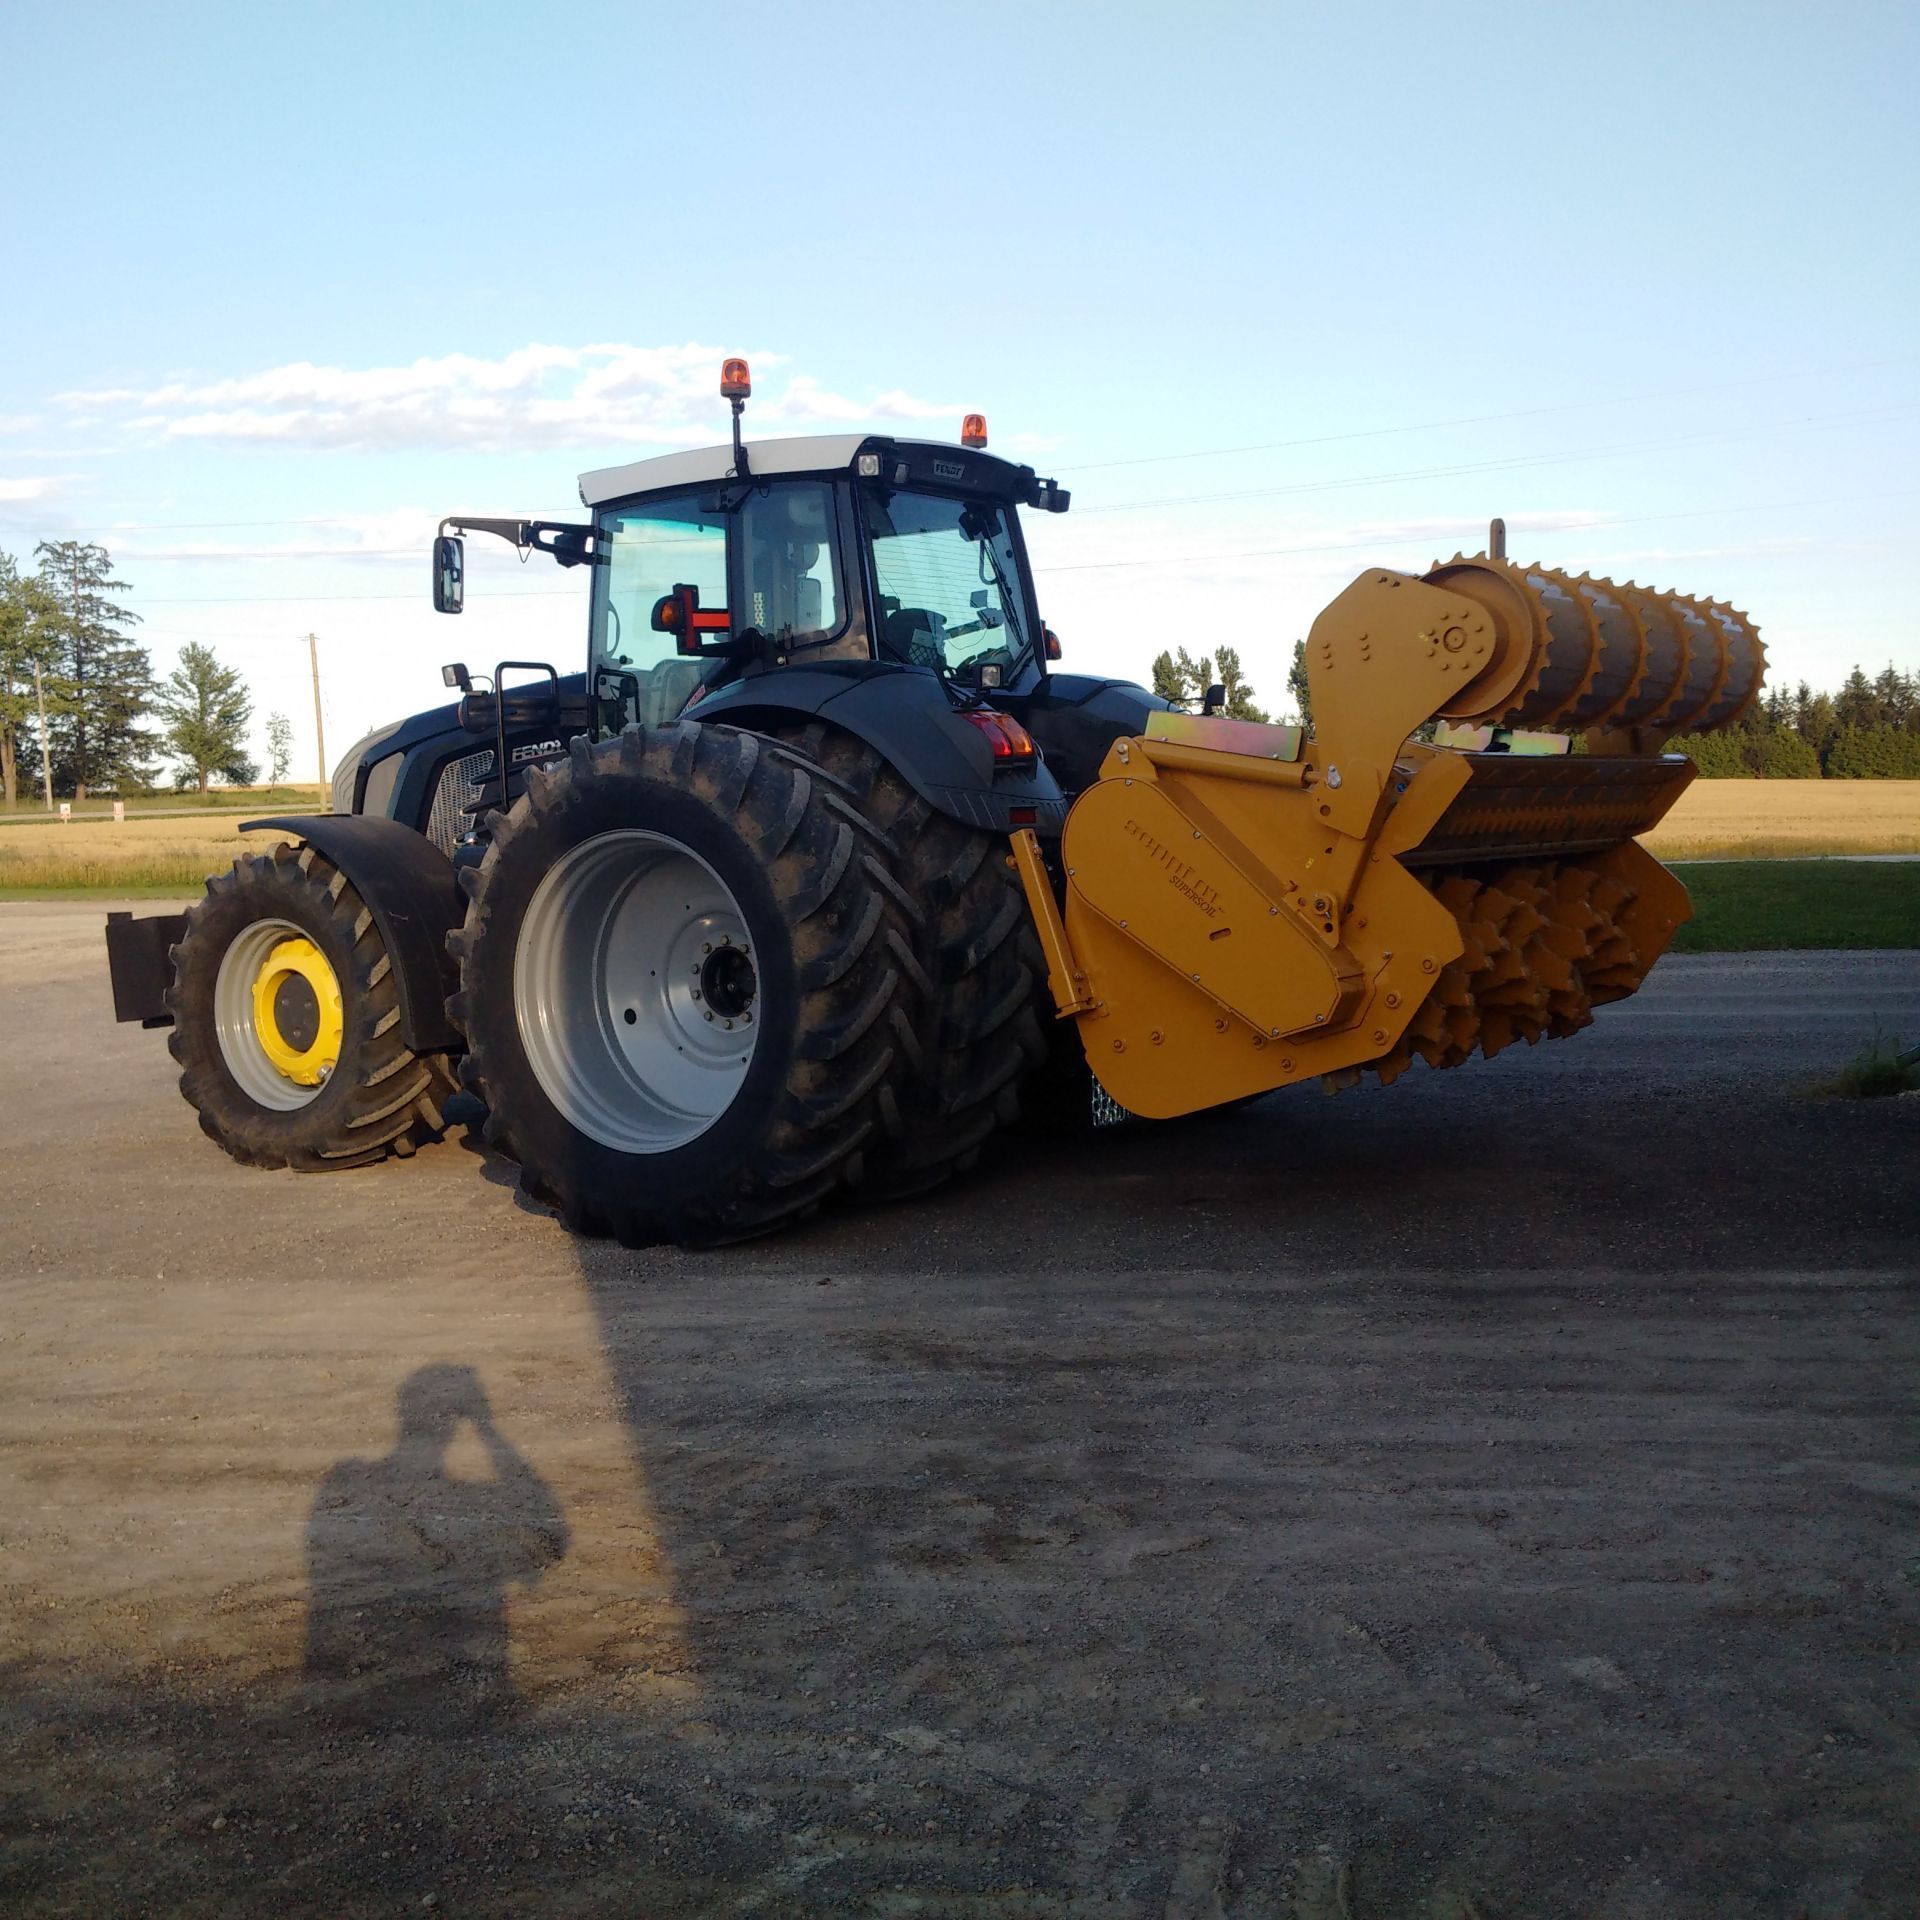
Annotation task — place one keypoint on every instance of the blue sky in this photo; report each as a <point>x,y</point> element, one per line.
<point>1279,292</point>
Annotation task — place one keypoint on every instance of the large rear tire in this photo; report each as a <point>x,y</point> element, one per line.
<point>972,1031</point>
<point>677,975</point>
<point>286,1022</point>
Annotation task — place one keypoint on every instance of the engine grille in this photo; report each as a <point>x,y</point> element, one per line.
<point>460,784</point>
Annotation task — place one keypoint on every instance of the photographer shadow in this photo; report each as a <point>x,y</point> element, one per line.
<point>409,1565</point>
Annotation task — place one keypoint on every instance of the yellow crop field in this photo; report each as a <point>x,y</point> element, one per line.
<point>1787,819</point>
<point>141,856</point>
<point>1729,819</point>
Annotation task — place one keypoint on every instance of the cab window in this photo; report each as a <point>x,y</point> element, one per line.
<point>648,550</point>
<point>790,563</point>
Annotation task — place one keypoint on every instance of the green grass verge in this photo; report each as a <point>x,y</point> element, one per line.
<point>1749,906</point>
<point>1876,1074</point>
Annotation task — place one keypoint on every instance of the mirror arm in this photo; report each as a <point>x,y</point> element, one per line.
<point>570,544</point>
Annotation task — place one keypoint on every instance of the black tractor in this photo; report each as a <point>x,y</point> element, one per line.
<point>717,928</point>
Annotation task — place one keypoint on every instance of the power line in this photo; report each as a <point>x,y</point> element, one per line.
<point>1485,419</point>
<point>1601,522</point>
<point>1098,566</point>
<point>1102,466</point>
<point>1515,463</point>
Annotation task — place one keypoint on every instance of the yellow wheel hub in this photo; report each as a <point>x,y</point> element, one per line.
<point>277,996</point>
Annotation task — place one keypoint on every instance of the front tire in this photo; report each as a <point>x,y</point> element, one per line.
<point>677,973</point>
<point>286,1022</point>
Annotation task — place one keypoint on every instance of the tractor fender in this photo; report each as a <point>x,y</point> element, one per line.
<point>904,715</point>
<point>410,889</point>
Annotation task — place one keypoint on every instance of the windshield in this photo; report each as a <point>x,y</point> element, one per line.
<point>948,583</point>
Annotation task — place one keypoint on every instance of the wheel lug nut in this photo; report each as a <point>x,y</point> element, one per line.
<point>709,1014</point>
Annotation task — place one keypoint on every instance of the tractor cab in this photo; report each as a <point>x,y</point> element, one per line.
<point>832,549</point>
<point>714,566</point>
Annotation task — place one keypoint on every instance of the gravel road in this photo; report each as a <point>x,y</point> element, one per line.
<point>1490,1496</point>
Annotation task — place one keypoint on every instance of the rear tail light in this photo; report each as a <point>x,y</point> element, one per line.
<point>1012,744</point>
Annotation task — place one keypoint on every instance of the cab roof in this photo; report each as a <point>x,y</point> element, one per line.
<point>809,453</point>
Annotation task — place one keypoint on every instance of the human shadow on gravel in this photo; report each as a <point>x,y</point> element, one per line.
<point>409,1567</point>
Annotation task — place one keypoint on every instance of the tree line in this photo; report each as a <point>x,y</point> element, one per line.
<point>1868,730</point>
<point>67,650</point>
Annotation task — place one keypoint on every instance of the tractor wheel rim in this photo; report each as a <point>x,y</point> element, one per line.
<point>636,991</point>
<point>277,1015</point>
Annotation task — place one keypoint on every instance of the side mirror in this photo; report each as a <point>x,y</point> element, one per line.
<point>449,573</point>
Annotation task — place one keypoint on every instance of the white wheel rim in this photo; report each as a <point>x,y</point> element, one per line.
<point>233,1018</point>
<point>636,991</point>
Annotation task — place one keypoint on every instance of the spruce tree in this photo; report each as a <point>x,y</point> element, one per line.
<point>1855,705</point>
<point>206,708</point>
<point>97,741</point>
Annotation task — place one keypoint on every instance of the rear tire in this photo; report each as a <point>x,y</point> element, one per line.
<point>972,1032</point>
<point>590,961</point>
<point>336,1090</point>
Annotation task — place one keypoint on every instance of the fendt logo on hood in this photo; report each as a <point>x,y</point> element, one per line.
<point>540,750</point>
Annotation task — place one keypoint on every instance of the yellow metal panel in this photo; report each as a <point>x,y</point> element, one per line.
<point>1139,862</point>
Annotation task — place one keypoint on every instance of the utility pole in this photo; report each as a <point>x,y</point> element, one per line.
<point>46,763</point>
<point>319,726</point>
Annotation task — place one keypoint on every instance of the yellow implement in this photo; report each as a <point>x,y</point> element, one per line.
<point>1246,908</point>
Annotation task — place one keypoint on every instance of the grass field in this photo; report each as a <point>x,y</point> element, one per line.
<point>1749,906</point>
<point>1786,819</point>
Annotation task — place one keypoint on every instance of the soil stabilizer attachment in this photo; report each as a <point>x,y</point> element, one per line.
<point>1246,909</point>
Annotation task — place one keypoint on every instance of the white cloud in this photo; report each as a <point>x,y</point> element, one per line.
<point>30,487</point>
<point>534,398</point>
<point>18,422</point>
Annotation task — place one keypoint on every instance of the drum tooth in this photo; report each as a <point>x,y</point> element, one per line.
<point>1390,1066</point>
<point>1553,969</point>
<point>1497,1032</point>
<point>1339,1080</point>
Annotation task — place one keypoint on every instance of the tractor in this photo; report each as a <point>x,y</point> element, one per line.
<point>822,866</point>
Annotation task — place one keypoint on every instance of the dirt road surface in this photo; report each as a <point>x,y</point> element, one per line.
<point>1490,1496</point>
